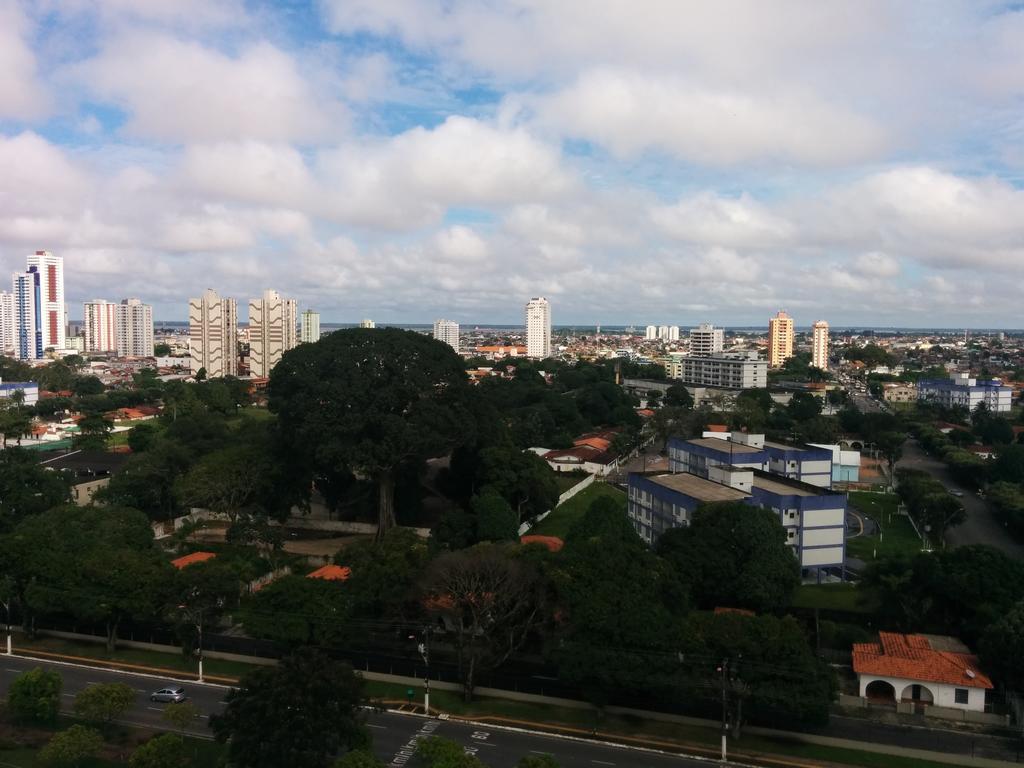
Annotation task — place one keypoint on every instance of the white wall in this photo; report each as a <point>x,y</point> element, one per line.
<point>816,518</point>
<point>943,695</point>
<point>828,556</point>
<point>820,537</point>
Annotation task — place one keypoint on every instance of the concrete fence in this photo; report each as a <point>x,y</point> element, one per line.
<point>939,713</point>
<point>562,498</point>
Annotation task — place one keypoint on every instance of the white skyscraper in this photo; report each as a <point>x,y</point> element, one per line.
<point>448,332</point>
<point>367,323</point>
<point>52,312</point>
<point>100,326</point>
<point>213,335</point>
<point>271,331</point>
<point>134,329</point>
<point>310,327</point>
<point>6,323</point>
<point>651,333</point>
<point>673,333</point>
<point>819,345</point>
<point>663,332</point>
<point>28,336</point>
<point>538,328</point>
<point>706,340</point>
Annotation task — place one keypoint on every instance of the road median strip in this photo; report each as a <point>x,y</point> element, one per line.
<point>176,674</point>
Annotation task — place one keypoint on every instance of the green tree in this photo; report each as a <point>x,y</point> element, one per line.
<point>678,396</point>
<point>384,572</point>
<point>358,758</point>
<point>371,400</point>
<point>86,385</point>
<point>295,611</point>
<point>299,714</point>
<point>71,748</point>
<point>537,761</point>
<point>93,432</point>
<point>102,703</point>
<point>804,406</point>
<point>616,599</point>
<point>15,421</point>
<point>26,488</point>
<point>167,750</point>
<point>438,752</point>
<point>181,714</point>
<point>491,598</point>
<point>1002,649</point>
<point>890,445</point>
<point>34,696</point>
<point>733,555</point>
<point>495,519</point>
<point>1008,466</point>
<point>161,349</point>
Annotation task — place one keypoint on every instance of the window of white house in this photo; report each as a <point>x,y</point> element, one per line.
<point>960,695</point>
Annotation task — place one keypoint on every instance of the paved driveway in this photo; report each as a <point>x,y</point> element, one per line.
<point>981,526</point>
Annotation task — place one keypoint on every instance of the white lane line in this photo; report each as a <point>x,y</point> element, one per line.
<point>69,695</point>
<point>371,725</point>
<point>14,670</point>
<point>140,690</point>
<point>601,762</point>
<point>155,709</point>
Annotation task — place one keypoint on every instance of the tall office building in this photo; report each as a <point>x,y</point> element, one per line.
<point>673,333</point>
<point>819,345</point>
<point>448,332</point>
<point>52,312</point>
<point>651,333</point>
<point>271,331</point>
<point>780,339</point>
<point>100,326</point>
<point>134,329</point>
<point>310,327</point>
<point>28,335</point>
<point>6,323</point>
<point>367,323</point>
<point>538,328</point>
<point>213,335</point>
<point>706,340</point>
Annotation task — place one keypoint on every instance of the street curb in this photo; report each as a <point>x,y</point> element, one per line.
<point>134,669</point>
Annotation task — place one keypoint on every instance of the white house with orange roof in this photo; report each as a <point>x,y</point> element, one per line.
<point>922,669</point>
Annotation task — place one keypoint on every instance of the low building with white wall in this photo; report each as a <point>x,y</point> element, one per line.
<point>961,390</point>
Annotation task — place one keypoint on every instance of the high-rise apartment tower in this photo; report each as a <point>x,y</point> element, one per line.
<point>52,312</point>
<point>134,329</point>
<point>100,326</point>
<point>538,328</point>
<point>780,339</point>
<point>706,340</point>
<point>271,331</point>
<point>819,345</point>
<point>213,335</point>
<point>309,331</point>
<point>448,332</point>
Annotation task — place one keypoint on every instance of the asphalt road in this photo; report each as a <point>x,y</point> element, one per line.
<point>394,735</point>
<point>981,526</point>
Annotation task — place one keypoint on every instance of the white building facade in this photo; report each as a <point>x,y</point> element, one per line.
<point>28,336</point>
<point>538,328</point>
<point>100,326</point>
<point>721,371</point>
<point>706,340</point>
<point>819,345</point>
<point>213,335</point>
<point>448,332</point>
<point>52,312</point>
<point>134,329</point>
<point>651,333</point>
<point>309,328</point>
<point>961,390</point>
<point>6,323</point>
<point>271,331</point>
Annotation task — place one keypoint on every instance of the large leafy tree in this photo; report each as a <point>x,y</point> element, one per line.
<point>34,696</point>
<point>299,714</point>
<point>26,488</point>
<point>733,555</point>
<point>295,611</point>
<point>617,603</point>
<point>384,572</point>
<point>1002,649</point>
<point>491,598</point>
<point>370,400</point>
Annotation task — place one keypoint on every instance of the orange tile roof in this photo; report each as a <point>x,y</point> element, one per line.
<point>718,427</point>
<point>195,557</point>
<point>331,573</point>
<point>911,657</point>
<point>553,543</point>
<point>594,442</point>
<point>738,611</point>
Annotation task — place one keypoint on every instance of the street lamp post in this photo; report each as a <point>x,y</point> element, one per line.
<point>424,649</point>
<point>7,613</point>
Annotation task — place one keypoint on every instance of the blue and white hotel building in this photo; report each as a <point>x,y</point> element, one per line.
<point>808,463</point>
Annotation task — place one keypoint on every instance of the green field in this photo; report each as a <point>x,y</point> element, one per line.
<point>568,480</point>
<point>897,534</point>
<point>565,515</point>
<point>835,597</point>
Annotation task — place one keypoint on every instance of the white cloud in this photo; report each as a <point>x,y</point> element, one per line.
<point>460,244</point>
<point>876,264</point>
<point>23,96</point>
<point>249,171</point>
<point>181,91</point>
<point>629,112</point>
<point>715,220</point>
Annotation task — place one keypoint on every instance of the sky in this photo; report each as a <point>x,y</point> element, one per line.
<point>635,161</point>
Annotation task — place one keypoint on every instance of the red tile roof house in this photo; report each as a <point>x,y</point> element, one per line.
<point>923,669</point>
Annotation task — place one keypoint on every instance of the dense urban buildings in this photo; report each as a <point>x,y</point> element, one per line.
<point>448,332</point>
<point>780,339</point>
<point>819,345</point>
<point>213,335</point>
<point>100,318</point>
<point>309,330</point>
<point>538,328</point>
<point>963,390</point>
<point>706,340</point>
<point>134,329</point>
<point>721,371</point>
<point>272,325</point>
<point>36,307</point>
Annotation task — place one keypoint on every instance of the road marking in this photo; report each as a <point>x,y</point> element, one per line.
<point>69,695</point>
<point>601,762</point>
<point>371,725</point>
<point>155,709</point>
<point>140,690</point>
<point>13,670</point>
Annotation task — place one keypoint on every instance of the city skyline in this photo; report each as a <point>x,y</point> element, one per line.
<point>659,164</point>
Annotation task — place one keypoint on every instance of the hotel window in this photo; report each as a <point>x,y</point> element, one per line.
<point>960,695</point>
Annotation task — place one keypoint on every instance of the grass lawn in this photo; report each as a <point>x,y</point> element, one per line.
<point>251,413</point>
<point>836,597</point>
<point>898,535</point>
<point>565,515</point>
<point>566,481</point>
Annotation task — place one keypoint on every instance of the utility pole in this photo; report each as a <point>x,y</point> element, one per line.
<point>723,671</point>
<point>424,649</point>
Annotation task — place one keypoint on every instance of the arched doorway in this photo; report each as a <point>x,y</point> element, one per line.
<point>918,694</point>
<point>880,691</point>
